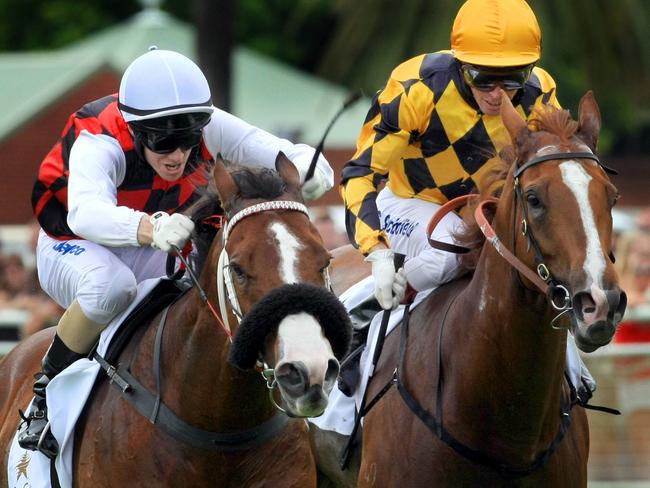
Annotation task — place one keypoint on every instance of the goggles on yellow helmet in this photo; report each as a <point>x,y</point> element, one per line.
<point>487,78</point>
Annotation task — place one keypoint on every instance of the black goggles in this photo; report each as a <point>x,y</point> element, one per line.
<point>486,79</point>
<point>161,143</point>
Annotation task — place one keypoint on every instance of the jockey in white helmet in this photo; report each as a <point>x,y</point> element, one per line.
<point>109,196</point>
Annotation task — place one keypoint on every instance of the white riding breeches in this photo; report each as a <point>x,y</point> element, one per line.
<point>405,221</point>
<point>102,279</point>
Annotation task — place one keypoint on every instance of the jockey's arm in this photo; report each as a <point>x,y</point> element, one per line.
<point>381,146</point>
<point>97,167</point>
<point>241,143</point>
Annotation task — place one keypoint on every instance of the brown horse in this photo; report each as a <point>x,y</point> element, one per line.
<point>479,397</point>
<point>272,250</point>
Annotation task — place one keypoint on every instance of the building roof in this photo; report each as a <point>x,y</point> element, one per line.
<point>265,92</point>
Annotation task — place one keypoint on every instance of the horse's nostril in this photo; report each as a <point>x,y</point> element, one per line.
<point>583,304</point>
<point>587,303</point>
<point>292,377</point>
<point>332,371</point>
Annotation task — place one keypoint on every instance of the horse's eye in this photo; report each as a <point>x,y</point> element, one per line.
<point>238,273</point>
<point>533,201</point>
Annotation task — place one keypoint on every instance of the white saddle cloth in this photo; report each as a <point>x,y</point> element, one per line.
<point>66,396</point>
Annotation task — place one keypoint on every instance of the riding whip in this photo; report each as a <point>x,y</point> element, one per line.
<point>354,96</point>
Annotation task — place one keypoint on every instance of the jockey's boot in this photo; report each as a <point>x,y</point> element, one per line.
<point>34,432</point>
<point>361,315</point>
<point>75,336</point>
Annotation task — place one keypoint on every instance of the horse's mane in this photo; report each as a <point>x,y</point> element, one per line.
<point>544,118</point>
<point>253,183</point>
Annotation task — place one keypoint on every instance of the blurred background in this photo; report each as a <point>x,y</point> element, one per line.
<point>287,66</point>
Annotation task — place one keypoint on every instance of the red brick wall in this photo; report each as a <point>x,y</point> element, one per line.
<point>633,180</point>
<point>21,152</point>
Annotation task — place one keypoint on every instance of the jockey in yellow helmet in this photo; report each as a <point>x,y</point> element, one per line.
<point>432,132</point>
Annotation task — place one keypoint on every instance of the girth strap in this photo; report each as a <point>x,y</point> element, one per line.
<point>151,407</point>
<point>437,428</point>
<point>145,403</point>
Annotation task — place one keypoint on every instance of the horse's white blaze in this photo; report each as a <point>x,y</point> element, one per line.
<point>288,248</point>
<point>576,178</point>
<point>301,340</point>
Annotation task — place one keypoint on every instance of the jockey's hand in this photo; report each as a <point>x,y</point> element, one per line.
<point>390,285</point>
<point>170,230</point>
<point>315,186</point>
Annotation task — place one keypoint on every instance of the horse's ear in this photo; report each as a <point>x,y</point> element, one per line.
<point>589,120</point>
<point>512,120</point>
<point>226,186</point>
<point>287,170</point>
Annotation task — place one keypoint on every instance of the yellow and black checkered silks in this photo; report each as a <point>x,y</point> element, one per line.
<point>425,134</point>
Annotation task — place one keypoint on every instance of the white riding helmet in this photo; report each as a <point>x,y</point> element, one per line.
<point>163,83</point>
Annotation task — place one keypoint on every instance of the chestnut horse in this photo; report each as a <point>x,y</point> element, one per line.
<point>273,251</point>
<point>477,394</point>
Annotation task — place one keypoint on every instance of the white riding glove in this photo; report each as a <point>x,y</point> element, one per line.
<point>168,231</point>
<point>315,187</point>
<point>390,285</point>
<point>317,184</point>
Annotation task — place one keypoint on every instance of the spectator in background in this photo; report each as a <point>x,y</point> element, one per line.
<point>20,290</point>
<point>332,236</point>
<point>634,380</point>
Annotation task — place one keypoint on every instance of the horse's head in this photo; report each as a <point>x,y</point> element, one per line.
<point>275,269</point>
<point>563,208</point>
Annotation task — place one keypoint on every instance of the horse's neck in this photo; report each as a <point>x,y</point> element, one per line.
<point>197,382</point>
<point>510,353</point>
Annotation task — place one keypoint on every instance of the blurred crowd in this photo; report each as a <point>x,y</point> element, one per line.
<point>632,250</point>
<point>21,295</point>
<point>633,260</point>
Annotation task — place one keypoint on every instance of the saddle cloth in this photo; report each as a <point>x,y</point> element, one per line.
<point>67,394</point>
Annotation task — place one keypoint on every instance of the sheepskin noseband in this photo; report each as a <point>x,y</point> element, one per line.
<point>266,315</point>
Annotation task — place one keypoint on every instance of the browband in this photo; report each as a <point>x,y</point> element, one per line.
<point>567,155</point>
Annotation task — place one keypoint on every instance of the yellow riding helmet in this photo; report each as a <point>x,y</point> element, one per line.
<point>497,33</point>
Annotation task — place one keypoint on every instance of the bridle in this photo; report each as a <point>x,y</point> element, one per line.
<point>224,279</point>
<point>224,276</point>
<point>558,295</point>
